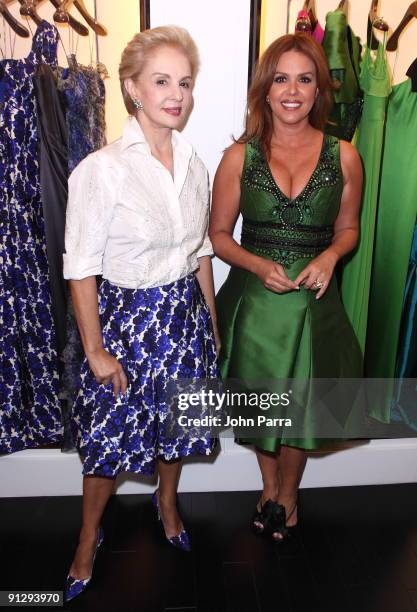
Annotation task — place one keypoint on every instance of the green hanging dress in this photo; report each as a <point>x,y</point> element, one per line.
<point>343,51</point>
<point>397,211</point>
<point>266,335</point>
<point>356,281</point>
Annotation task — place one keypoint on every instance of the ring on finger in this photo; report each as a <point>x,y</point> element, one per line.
<point>318,284</point>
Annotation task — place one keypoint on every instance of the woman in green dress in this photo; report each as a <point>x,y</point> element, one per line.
<point>279,312</point>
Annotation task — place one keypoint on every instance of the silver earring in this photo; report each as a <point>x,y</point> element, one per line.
<point>267,99</point>
<point>137,104</point>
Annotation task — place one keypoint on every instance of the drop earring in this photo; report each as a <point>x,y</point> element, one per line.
<point>268,99</point>
<point>137,104</point>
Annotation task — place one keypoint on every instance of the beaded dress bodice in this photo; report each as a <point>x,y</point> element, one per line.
<point>283,229</point>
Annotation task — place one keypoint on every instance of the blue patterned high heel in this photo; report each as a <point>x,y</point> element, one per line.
<point>75,586</point>
<point>182,540</point>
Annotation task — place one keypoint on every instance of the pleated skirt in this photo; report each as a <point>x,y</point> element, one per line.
<point>160,334</point>
<point>291,336</point>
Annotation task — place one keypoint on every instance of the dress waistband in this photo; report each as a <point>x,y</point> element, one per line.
<point>285,244</point>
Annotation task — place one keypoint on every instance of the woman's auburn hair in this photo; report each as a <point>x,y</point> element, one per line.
<point>258,114</point>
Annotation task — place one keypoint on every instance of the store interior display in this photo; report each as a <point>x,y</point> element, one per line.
<point>53,116</point>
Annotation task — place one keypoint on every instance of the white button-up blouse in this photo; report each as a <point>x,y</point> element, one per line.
<point>130,221</point>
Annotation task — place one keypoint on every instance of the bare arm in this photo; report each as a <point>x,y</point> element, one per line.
<point>104,366</point>
<point>205,278</point>
<point>346,227</point>
<point>224,213</point>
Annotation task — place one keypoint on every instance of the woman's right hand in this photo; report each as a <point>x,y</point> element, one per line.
<point>273,276</point>
<point>107,369</point>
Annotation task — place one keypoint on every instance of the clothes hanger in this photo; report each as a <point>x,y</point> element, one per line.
<point>61,15</point>
<point>374,21</point>
<point>309,7</point>
<point>372,16</point>
<point>92,22</point>
<point>410,14</point>
<point>303,23</point>
<point>308,20</point>
<point>28,9</point>
<point>80,28</point>
<point>12,21</point>
<point>67,18</point>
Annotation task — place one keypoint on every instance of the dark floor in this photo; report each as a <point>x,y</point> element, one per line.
<point>356,552</point>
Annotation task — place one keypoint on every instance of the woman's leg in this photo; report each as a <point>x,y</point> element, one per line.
<point>292,464</point>
<point>169,474</point>
<point>96,492</point>
<point>269,464</point>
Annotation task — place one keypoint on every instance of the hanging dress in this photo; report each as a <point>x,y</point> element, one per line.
<point>30,412</point>
<point>397,211</point>
<point>84,93</point>
<point>271,336</point>
<point>404,407</point>
<point>343,51</point>
<point>356,281</point>
<point>53,160</point>
<point>53,156</point>
<point>83,90</point>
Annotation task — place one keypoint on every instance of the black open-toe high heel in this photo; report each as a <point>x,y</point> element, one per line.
<point>260,517</point>
<point>284,531</point>
<point>271,518</point>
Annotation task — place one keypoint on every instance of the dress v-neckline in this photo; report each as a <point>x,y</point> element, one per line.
<point>304,189</point>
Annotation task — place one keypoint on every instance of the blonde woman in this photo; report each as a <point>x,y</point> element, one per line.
<point>138,215</point>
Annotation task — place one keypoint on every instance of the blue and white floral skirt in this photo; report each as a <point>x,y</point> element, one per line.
<point>158,334</point>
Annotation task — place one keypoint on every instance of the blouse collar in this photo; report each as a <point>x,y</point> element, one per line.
<point>133,135</point>
<point>182,150</point>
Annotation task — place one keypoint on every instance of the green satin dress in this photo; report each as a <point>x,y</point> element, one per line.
<point>356,281</point>
<point>343,51</point>
<point>397,212</point>
<point>266,335</point>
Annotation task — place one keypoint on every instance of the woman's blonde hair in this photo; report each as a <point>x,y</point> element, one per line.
<point>142,44</point>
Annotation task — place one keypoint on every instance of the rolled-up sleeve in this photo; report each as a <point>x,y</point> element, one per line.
<point>206,248</point>
<point>91,201</point>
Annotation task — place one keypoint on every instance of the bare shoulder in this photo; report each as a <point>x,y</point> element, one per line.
<point>234,157</point>
<point>350,159</point>
<point>349,154</point>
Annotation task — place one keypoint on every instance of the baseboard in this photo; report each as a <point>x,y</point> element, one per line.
<point>49,472</point>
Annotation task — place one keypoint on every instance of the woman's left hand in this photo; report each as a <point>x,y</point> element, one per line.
<point>318,274</point>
